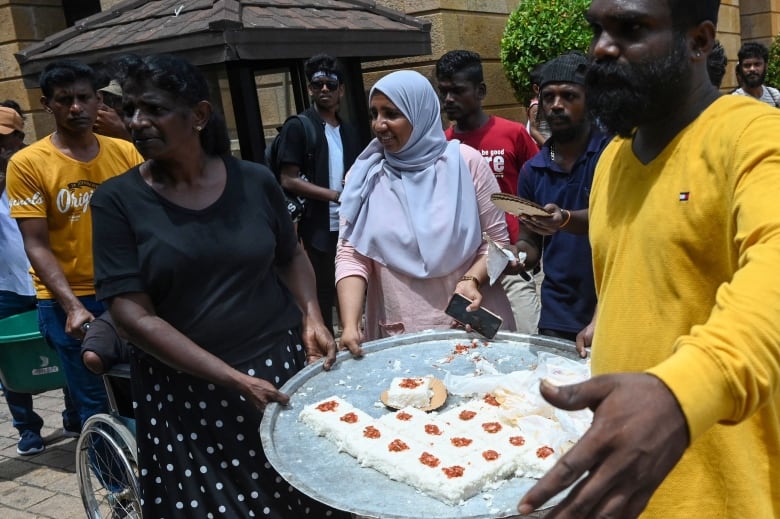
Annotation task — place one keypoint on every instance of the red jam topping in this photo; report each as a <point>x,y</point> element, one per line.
<point>543,452</point>
<point>432,429</point>
<point>467,415</point>
<point>349,418</point>
<point>492,427</point>
<point>371,432</point>
<point>461,442</point>
<point>330,405</point>
<point>490,455</point>
<point>455,471</point>
<point>491,400</point>
<point>429,459</point>
<point>403,416</point>
<point>463,348</point>
<point>397,446</point>
<point>517,441</point>
<point>410,383</point>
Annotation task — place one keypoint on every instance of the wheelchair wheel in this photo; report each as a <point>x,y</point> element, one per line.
<point>106,467</point>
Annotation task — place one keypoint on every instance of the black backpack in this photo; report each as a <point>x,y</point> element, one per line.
<point>296,205</point>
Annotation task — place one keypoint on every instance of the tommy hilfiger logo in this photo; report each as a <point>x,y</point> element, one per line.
<point>685,196</point>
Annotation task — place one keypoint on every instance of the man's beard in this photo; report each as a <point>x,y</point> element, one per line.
<point>754,81</point>
<point>622,97</point>
<point>568,133</point>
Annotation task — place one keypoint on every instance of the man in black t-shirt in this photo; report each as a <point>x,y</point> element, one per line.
<point>338,145</point>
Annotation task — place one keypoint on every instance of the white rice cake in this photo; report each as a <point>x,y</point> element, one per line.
<point>410,392</point>
<point>413,423</point>
<point>450,456</point>
<point>337,420</point>
<point>543,446</point>
<point>425,468</point>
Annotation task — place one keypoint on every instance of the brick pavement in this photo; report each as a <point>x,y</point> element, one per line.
<point>43,485</point>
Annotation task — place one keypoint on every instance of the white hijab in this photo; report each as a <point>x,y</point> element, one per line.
<point>414,211</point>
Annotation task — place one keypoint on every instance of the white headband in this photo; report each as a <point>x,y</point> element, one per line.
<point>322,74</point>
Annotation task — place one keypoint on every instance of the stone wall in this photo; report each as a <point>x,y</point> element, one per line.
<point>479,24</point>
<point>760,20</point>
<point>23,22</point>
<point>729,28</point>
<point>460,24</point>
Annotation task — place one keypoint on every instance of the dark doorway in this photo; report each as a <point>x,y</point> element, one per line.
<point>78,9</point>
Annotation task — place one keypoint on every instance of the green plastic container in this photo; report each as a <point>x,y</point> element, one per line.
<point>27,363</point>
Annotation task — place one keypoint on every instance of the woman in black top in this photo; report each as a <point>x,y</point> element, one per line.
<point>197,258</point>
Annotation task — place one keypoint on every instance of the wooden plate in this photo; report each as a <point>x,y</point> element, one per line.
<point>437,400</point>
<point>518,206</point>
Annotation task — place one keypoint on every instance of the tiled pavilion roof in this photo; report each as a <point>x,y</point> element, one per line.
<point>219,31</point>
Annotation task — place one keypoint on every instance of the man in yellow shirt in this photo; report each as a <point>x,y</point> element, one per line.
<point>685,233</point>
<point>50,184</point>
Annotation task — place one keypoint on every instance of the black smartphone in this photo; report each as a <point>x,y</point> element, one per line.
<point>482,321</point>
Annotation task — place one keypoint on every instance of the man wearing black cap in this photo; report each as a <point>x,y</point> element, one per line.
<point>338,144</point>
<point>559,178</point>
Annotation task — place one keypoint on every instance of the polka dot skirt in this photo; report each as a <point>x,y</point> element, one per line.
<point>199,449</point>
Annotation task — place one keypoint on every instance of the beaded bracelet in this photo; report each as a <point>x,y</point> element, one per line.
<point>470,278</point>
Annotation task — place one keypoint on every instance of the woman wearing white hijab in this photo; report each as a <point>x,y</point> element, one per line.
<point>413,211</point>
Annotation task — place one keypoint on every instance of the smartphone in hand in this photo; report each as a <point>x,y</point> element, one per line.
<point>481,320</point>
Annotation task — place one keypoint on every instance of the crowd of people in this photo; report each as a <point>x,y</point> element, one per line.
<point>658,253</point>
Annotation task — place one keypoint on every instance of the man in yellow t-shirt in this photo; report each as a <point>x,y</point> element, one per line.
<point>50,184</point>
<point>685,233</point>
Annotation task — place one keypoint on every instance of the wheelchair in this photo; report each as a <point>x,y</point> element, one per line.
<point>106,459</point>
<point>106,455</point>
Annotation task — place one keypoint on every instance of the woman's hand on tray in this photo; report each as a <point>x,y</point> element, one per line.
<point>319,343</point>
<point>261,392</point>
<point>351,339</point>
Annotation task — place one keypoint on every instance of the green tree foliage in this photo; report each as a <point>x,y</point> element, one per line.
<point>537,31</point>
<point>773,67</point>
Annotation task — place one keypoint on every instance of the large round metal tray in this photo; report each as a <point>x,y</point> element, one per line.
<point>313,465</point>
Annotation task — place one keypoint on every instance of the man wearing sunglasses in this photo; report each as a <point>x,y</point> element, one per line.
<point>320,177</point>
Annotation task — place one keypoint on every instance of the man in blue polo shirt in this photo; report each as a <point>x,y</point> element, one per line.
<point>559,178</point>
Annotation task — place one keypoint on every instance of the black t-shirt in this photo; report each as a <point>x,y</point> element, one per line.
<point>315,225</point>
<point>208,272</point>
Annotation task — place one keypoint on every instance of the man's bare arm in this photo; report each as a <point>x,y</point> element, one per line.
<point>35,233</point>
<point>292,182</point>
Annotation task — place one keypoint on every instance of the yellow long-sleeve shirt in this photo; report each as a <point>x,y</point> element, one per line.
<point>686,256</point>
